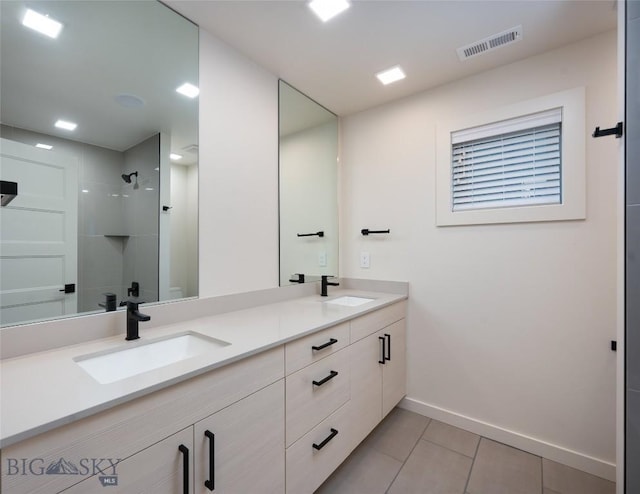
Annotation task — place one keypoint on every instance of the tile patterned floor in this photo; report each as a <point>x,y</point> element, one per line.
<point>411,454</point>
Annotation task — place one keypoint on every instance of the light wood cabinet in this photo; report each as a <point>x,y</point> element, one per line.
<point>125,430</point>
<point>159,469</point>
<point>240,449</point>
<point>309,349</point>
<point>394,370</point>
<point>281,420</point>
<point>314,392</point>
<point>248,455</point>
<point>378,376</point>
<point>312,458</point>
<point>376,373</point>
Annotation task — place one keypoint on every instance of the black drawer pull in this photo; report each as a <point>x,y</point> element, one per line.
<point>325,345</point>
<point>185,468</point>
<point>331,375</point>
<point>382,339</point>
<point>333,434</point>
<point>210,484</point>
<point>388,355</point>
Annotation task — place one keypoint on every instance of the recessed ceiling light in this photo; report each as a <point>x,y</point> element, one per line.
<point>85,191</point>
<point>129,100</point>
<point>175,157</point>
<point>327,9</point>
<point>188,90</point>
<point>41,23</point>
<point>44,146</point>
<point>63,124</point>
<point>148,188</point>
<point>390,75</point>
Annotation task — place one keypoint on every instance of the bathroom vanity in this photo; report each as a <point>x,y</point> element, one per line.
<point>297,387</point>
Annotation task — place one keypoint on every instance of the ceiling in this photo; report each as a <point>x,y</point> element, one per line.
<point>105,49</point>
<point>335,62</point>
<point>297,112</point>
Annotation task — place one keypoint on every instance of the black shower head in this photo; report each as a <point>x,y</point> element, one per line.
<point>127,178</point>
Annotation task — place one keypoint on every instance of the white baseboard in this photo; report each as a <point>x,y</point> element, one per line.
<point>547,450</point>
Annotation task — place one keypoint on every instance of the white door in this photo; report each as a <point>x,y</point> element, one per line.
<point>38,234</point>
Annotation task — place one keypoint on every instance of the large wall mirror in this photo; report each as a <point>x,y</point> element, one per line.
<point>99,129</point>
<point>308,188</point>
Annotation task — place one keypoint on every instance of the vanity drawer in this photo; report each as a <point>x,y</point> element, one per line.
<point>307,404</point>
<point>300,353</point>
<point>308,467</point>
<point>372,322</point>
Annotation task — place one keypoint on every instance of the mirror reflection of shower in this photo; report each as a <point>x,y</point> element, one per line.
<point>127,179</point>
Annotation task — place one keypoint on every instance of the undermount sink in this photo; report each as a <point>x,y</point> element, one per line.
<point>349,301</point>
<point>126,361</point>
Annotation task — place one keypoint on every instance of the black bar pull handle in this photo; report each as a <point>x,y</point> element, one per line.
<point>185,468</point>
<point>317,234</point>
<point>324,345</point>
<point>383,340</point>
<point>211,482</point>
<point>388,355</point>
<point>366,231</point>
<point>331,375</point>
<point>333,434</point>
<point>617,131</point>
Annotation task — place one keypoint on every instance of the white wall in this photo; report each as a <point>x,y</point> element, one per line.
<point>509,325</point>
<point>238,160</point>
<point>183,221</point>
<point>308,201</point>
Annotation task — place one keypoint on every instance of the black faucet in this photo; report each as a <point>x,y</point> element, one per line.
<point>110,302</point>
<point>326,283</point>
<point>133,318</point>
<point>300,278</point>
<point>134,291</point>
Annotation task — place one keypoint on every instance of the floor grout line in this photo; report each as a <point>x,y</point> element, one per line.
<point>420,437</point>
<point>409,455</point>
<point>473,462</point>
<point>449,449</point>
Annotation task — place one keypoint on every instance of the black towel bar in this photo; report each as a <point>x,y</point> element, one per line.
<point>366,231</point>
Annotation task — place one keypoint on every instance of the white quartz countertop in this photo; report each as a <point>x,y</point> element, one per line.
<point>45,390</point>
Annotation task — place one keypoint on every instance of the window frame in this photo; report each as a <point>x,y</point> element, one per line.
<point>573,168</point>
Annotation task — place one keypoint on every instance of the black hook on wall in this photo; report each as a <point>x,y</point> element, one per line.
<point>617,131</point>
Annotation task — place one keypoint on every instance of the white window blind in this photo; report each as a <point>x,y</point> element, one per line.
<point>510,163</point>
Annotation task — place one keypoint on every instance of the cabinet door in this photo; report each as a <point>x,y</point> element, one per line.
<point>394,371</point>
<point>247,442</point>
<point>366,387</point>
<point>159,469</point>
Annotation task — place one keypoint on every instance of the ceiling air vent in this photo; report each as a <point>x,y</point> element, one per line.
<point>490,43</point>
<point>191,148</point>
